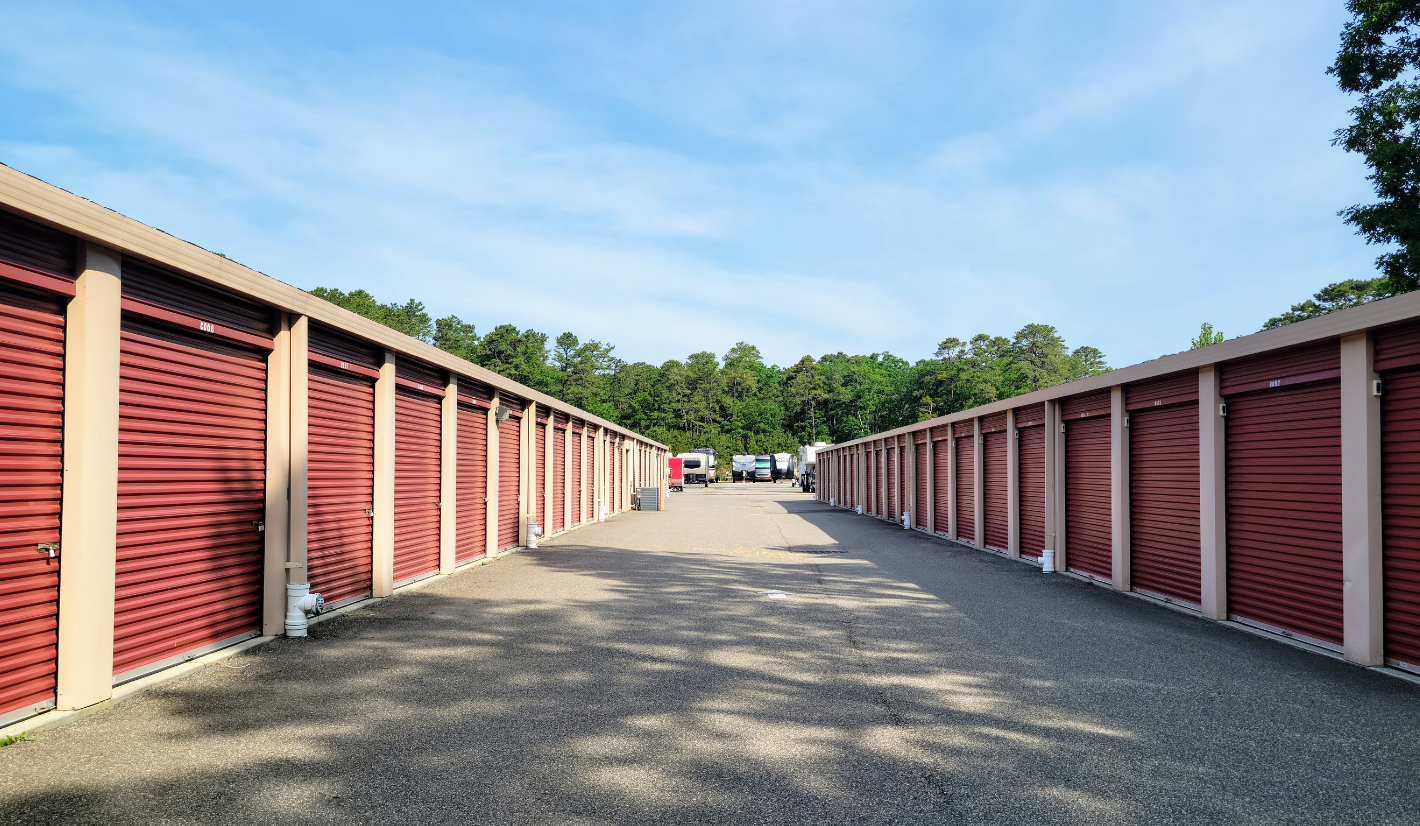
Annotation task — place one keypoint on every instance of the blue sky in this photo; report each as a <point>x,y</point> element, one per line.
<point>678,176</point>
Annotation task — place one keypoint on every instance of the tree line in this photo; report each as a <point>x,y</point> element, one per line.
<point>735,403</point>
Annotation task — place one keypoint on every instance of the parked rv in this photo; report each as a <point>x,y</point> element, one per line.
<point>713,472</point>
<point>783,466</point>
<point>742,467</point>
<point>808,465</point>
<point>763,468</point>
<point>697,468</point>
<point>675,473</point>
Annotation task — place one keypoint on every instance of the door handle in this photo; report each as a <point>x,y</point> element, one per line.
<point>51,548</point>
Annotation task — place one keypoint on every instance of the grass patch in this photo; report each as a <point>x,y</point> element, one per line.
<point>12,739</point>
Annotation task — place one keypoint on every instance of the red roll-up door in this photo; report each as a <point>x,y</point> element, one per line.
<point>472,484</point>
<point>1032,490</point>
<point>1400,451</point>
<point>1088,529</point>
<point>924,503</point>
<point>509,465</point>
<point>1284,509</point>
<point>417,449</point>
<point>31,432</point>
<point>577,509</point>
<point>191,493</point>
<point>1163,495</point>
<point>539,494</point>
<point>891,484</point>
<point>941,490</point>
<point>966,484</point>
<point>559,474</point>
<point>340,484</point>
<point>994,484</point>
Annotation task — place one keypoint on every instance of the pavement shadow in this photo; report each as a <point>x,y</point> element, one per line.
<point>906,680</point>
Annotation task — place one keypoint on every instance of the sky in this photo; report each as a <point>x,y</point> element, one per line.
<point>671,177</point>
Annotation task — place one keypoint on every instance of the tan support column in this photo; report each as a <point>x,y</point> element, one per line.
<point>89,532</point>
<point>490,521</point>
<point>1212,495</point>
<point>598,486</point>
<point>295,471</point>
<point>448,476</point>
<point>280,495</point>
<point>1013,486</point>
<point>382,527</point>
<point>978,481</point>
<point>953,523</point>
<point>1119,489</point>
<point>1363,594</point>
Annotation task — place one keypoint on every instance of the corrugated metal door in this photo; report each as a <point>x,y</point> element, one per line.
<point>559,472</point>
<point>1163,487</point>
<point>966,485</point>
<point>891,484</point>
<point>1284,491</point>
<point>340,483</point>
<point>191,493</point>
<point>1030,429</point>
<point>924,504</point>
<point>472,482</point>
<point>577,509</point>
<point>539,494</point>
<point>1400,450</point>
<point>1088,534</point>
<point>994,482</point>
<point>31,432</point>
<point>942,463</point>
<point>417,480</point>
<point>509,465</point>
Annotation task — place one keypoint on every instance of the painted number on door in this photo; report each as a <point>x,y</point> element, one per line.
<point>207,326</point>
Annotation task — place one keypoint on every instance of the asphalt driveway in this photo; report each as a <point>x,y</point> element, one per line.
<point>637,672</point>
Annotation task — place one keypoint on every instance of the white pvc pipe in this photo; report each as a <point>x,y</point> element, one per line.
<point>300,603</point>
<point>1047,561</point>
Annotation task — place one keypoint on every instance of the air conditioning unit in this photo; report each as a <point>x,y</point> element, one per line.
<point>502,412</point>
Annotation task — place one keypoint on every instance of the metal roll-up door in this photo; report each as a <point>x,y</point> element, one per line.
<point>941,468</point>
<point>1088,511</point>
<point>472,482</point>
<point>1400,486</point>
<point>509,466</point>
<point>966,485</point>
<point>924,503</point>
<point>35,256</point>
<point>1030,461</point>
<point>340,483</point>
<point>539,494</point>
<point>994,483</point>
<point>1163,487</point>
<point>191,494</point>
<point>559,472</point>
<point>891,484</point>
<point>417,482</point>
<point>31,434</point>
<point>577,509</point>
<point>1284,491</point>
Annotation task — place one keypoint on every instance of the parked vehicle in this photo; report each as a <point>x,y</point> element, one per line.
<point>676,473</point>
<point>742,467</point>
<point>764,468</point>
<point>713,472</point>
<point>808,465</point>
<point>697,468</point>
<point>783,466</point>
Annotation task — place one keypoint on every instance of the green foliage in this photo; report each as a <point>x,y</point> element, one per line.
<point>1334,297</point>
<point>1206,336</point>
<point>11,739</point>
<point>1378,60</point>
<point>408,318</point>
<point>737,403</point>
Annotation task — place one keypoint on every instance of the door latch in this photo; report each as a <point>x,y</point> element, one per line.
<point>51,548</point>
<point>259,525</point>
<point>370,512</point>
